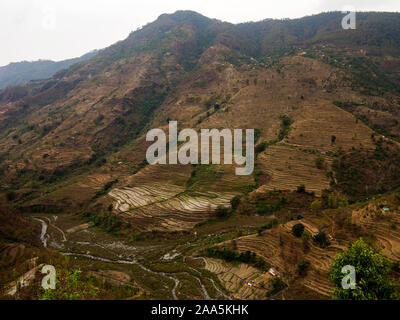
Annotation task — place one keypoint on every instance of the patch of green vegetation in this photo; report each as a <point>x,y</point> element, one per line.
<point>302,268</point>
<point>286,123</point>
<point>264,207</point>
<point>222,212</point>
<point>268,226</point>
<point>105,189</point>
<point>301,188</point>
<point>233,256</point>
<point>235,201</point>
<point>70,285</point>
<point>277,285</point>
<point>107,221</point>
<point>373,280</point>
<point>321,239</point>
<point>319,162</point>
<point>261,147</point>
<point>201,175</point>
<point>298,229</point>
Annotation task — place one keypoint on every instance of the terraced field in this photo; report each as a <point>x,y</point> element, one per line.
<point>383,226</point>
<point>314,124</point>
<point>283,251</point>
<point>166,205</point>
<point>170,207</point>
<point>236,279</point>
<point>288,167</point>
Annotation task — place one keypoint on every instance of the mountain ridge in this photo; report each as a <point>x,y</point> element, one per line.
<point>16,73</point>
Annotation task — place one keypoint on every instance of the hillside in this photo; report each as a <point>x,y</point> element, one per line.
<point>20,72</point>
<point>325,105</point>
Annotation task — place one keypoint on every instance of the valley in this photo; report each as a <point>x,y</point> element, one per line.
<point>77,192</point>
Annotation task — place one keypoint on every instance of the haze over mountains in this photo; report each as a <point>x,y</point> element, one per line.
<point>20,72</point>
<point>325,105</point>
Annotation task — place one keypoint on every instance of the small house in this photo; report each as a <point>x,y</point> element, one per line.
<point>273,272</point>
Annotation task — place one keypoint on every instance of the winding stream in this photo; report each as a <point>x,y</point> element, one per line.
<point>44,237</point>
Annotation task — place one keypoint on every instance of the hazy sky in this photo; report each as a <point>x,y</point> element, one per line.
<point>61,29</point>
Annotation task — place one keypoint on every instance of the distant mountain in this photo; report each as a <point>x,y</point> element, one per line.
<point>24,71</point>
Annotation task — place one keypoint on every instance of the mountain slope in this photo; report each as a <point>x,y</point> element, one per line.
<point>170,69</point>
<point>21,72</point>
<point>324,102</point>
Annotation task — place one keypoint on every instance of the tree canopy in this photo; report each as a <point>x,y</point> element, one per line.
<point>372,280</point>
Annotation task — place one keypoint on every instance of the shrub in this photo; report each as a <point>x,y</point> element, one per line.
<point>298,229</point>
<point>11,195</point>
<point>321,239</point>
<point>319,162</point>
<point>302,267</point>
<point>335,201</point>
<point>277,285</point>
<point>233,256</point>
<point>260,147</point>
<point>221,212</point>
<point>235,201</point>
<point>269,225</point>
<point>316,205</point>
<point>301,188</point>
<point>285,127</point>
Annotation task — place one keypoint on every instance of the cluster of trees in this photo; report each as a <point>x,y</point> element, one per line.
<point>233,256</point>
<point>105,189</point>
<point>106,221</point>
<point>285,126</point>
<point>320,238</point>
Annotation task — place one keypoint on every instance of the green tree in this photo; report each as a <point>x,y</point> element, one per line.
<point>221,211</point>
<point>302,268</point>
<point>298,230</point>
<point>260,147</point>
<point>319,162</point>
<point>321,239</point>
<point>301,188</point>
<point>235,201</point>
<point>372,274</point>
<point>336,200</point>
<point>316,205</point>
